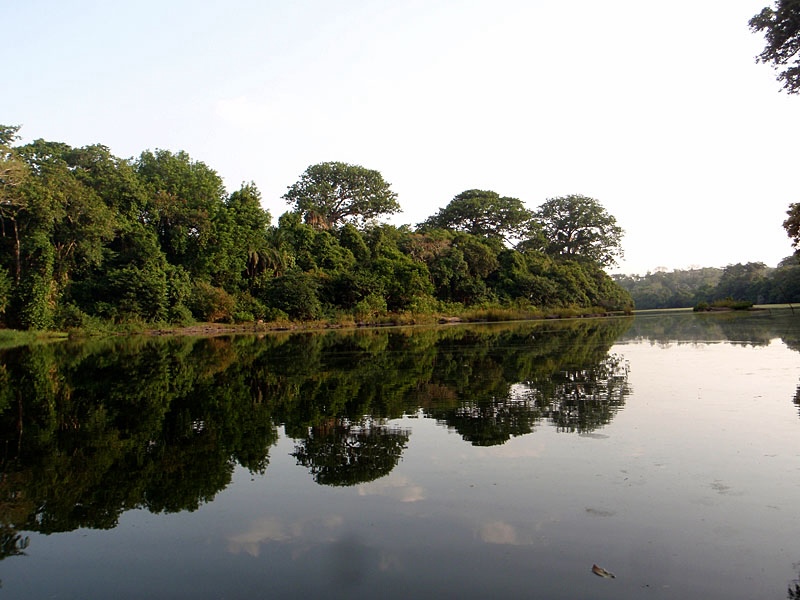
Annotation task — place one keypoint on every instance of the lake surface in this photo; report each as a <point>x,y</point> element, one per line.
<point>465,461</point>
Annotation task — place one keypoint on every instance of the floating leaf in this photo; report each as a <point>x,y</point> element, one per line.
<point>602,572</point>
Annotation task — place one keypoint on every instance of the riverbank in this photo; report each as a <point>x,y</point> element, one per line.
<point>11,337</point>
<point>390,320</point>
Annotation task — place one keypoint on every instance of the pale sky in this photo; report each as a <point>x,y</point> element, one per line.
<point>656,109</point>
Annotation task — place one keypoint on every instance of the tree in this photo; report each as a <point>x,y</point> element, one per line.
<point>792,224</point>
<point>185,199</point>
<point>483,213</point>
<point>781,27</point>
<point>13,172</point>
<point>743,281</point>
<point>577,226</point>
<point>333,193</point>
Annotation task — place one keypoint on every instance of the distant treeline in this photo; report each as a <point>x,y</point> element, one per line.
<point>87,237</point>
<point>751,282</point>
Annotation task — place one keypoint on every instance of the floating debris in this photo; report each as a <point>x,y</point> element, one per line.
<point>600,571</point>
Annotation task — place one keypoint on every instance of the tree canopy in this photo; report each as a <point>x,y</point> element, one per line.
<point>88,239</point>
<point>333,193</point>
<point>781,27</point>
<point>483,213</point>
<point>792,224</point>
<point>577,226</point>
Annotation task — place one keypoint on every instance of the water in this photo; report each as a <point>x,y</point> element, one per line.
<point>465,461</point>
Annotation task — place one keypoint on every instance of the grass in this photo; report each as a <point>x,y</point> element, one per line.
<point>11,338</point>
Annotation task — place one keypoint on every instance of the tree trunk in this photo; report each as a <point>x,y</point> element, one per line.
<point>18,271</point>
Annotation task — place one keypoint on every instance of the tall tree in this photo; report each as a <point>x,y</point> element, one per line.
<point>249,223</point>
<point>781,27</point>
<point>186,197</point>
<point>13,172</point>
<point>333,193</point>
<point>483,213</point>
<point>577,226</point>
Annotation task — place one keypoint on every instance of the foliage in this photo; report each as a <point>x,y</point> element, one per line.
<point>748,282</point>
<point>781,27</point>
<point>333,193</point>
<point>792,224</point>
<point>86,237</point>
<point>296,294</point>
<point>211,304</point>
<point>577,226</point>
<point>483,213</point>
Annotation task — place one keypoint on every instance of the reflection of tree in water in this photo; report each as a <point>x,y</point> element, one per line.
<point>494,421</point>
<point>575,400</point>
<point>582,400</point>
<point>500,386</point>
<point>755,328</point>
<point>342,453</point>
<point>92,430</point>
<point>12,543</point>
<point>793,591</point>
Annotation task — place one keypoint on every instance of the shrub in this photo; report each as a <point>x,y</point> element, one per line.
<point>211,304</point>
<point>296,294</point>
<point>373,305</point>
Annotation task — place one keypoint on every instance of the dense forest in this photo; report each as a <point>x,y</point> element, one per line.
<point>752,283</point>
<point>87,237</point>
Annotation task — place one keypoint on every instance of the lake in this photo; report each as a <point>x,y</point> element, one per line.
<point>466,461</point>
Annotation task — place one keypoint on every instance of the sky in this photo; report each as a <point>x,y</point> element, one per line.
<point>658,110</point>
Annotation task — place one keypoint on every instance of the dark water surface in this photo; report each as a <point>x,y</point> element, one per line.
<point>465,461</point>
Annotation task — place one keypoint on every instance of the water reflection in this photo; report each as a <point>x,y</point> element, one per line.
<point>339,452</point>
<point>578,400</point>
<point>92,430</point>
<point>756,328</point>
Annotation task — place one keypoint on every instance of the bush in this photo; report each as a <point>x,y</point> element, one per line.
<point>248,308</point>
<point>211,304</point>
<point>69,316</point>
<point>180,315</point>
<point>373,305</point>
<point>296,294</point>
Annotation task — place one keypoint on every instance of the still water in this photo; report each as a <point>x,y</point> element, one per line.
<point>465,461</point>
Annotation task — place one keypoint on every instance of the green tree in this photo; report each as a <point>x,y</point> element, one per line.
<point>13,172</point>
<point>333,193</point>
<point>460,268</point>
<point>743,282</point>
<point>579,227</point>
<point>242,246</point>
<point>133,282</point>
<point>781,28</point>
<point>792,224</point>
<point>296,294</point>
<point>484,213</point>
<point>185,196</point>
